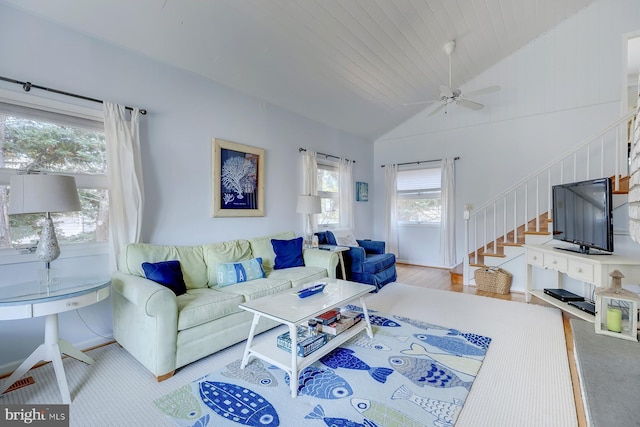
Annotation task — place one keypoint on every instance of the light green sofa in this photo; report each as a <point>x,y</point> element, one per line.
<point>165,332</point>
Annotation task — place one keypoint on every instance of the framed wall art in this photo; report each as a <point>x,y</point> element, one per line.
<point>362,192</point>
<point>238,179</point>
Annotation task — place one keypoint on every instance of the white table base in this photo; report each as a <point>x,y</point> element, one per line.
<point>51,351</point>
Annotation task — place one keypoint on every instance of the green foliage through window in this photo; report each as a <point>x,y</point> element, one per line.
<point>33,143</point>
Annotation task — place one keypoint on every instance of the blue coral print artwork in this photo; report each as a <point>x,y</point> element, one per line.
<point>238,180</point>
<point>411,373</point>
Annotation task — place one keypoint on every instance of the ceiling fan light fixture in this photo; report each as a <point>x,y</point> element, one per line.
<point>449,47</point>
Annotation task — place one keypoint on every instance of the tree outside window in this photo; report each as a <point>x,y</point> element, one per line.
<point>50,142</point>
<point>328,190</point>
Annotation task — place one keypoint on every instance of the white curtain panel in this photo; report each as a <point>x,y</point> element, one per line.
<point>634,172</point>
<point>347,193</point>
<point>126,195</point>
<point>391,216</point>
<point>310,182</point>
<point>448,225</point>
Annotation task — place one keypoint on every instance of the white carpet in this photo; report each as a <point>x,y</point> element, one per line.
<point>524,380</point>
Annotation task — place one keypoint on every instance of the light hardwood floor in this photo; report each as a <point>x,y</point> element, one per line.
<point>436,278</point>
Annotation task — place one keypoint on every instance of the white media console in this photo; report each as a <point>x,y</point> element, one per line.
<point>592,269</point>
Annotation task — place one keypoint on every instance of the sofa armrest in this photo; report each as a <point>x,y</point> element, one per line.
<point>149,296</point>
<point>354,259</point>
<point>372,246</point>
<point>323,259</point>
<point>145,321</point>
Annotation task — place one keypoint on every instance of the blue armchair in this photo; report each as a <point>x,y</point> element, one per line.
<point>367,263</point>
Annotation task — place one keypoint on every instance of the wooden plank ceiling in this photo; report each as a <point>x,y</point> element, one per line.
<point>351,64</point>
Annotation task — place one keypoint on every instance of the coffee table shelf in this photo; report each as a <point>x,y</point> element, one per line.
<point>288,309</point>
<point>268,350</point>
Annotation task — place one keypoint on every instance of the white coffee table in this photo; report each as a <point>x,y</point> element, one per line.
<point>292,311</point>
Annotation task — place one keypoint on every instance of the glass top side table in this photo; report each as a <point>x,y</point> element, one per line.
<point>33,299</point>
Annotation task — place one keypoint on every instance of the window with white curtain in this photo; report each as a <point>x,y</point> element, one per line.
<point>328,190</point>
<point>49,141</point>
<point>419,196</point>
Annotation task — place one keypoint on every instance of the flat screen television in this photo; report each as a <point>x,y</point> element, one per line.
<point>582,215</point>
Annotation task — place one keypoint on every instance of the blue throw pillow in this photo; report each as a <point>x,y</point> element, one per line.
<point>166,273</point>
<point>237,272</point>
<point>288,253</point>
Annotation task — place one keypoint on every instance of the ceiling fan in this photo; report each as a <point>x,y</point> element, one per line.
<point>449,95</point>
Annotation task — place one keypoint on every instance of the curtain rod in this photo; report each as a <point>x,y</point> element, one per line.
<point>28,85</point>
<point>421,161</point>
<point>300,150</point>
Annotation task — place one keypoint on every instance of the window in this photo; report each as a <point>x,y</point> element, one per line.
<point>53,142</point>
<point>328,190</point>
<point>418,196</point>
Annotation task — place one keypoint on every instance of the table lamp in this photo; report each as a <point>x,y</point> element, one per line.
<point>308,205</point>
<point>40,193</point>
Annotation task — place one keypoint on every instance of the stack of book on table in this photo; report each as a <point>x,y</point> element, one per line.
<point>344,319</point>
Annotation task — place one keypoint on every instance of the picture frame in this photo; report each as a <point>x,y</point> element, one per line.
<point>237,179</point>
<point>362,192</point>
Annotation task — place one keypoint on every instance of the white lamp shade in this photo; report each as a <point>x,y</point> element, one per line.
<point>32,193</point>
<point>309,205</point>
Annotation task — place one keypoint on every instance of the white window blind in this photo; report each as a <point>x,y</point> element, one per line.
<point>418,180</point>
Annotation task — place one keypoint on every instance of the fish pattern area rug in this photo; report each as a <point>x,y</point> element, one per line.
<point>411,373</point>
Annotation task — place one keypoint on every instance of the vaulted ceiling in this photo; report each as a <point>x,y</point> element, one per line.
<point>354,65</point>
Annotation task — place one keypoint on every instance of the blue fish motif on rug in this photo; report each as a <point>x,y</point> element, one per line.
<point>321,383</point>
<point>411,373</point>
<point>345,358</point>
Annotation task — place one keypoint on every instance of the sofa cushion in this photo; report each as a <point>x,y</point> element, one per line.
<point>288,253</point>
<point>167,273</point>
<point>257,288</point>
<point>191,259</point>
<point>299,275</point>
<point>261,247</point>
<point>378,262</point>
<point>231,251</point>
<point>230,273</point>
<point>200,306</point>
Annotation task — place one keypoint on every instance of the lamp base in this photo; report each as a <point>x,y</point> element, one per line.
<point>48,248</point>
<point>48,279</point>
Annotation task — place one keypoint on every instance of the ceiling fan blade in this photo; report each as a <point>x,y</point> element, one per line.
<point>489,89</point>
<point>435,110</point>
<point>469,104</point>
<point>446,92</point>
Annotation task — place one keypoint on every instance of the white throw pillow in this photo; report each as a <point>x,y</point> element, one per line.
<point>344,237</point>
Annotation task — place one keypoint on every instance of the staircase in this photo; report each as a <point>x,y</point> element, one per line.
<point>496,230</point>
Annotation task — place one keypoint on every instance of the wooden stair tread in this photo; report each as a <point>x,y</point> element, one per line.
<point>493,255</point>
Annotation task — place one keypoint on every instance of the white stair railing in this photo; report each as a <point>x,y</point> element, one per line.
<point>526,201</point>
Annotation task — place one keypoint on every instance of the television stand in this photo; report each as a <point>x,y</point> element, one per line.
<point>583,250</point>
<point>588,268</point>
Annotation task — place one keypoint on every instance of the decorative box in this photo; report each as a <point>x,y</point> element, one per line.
<point>307,344</point>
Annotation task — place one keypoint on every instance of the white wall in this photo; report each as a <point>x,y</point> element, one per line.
<point>556,91</point>
<point>185,113</point>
